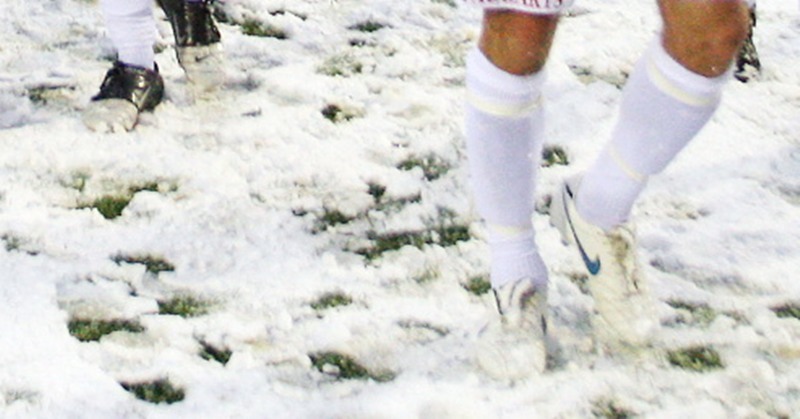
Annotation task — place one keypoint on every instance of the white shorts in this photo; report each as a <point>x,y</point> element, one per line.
<point>541,7</point>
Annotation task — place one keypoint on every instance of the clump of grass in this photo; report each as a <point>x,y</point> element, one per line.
<point>452,234</point>
<point>331,300</point>
<point>43,94</point>
<point>331,218</point>
<point>392,241</point>
<point>609,409</point>
<point>184,306</point>
<point>443,236</point>
<point>377,191</point>
<point>345,367</point>
<point>439,331</point>
<point>158,391</point>
<point>697,358</point>
<point>432,166</point>
<point>253,27</point>
<point>77,181</point>
<point>336,114</point>
<point>12,242</point>
<point>554,155</point>
<point>147,186</point>
<point>212,353</point>
<point>367,26</point>
<point>342,65</point>
<point>478,285</point>
<point>693,313</point>
<point>787,311</point>
<point>394,204</point>
<point>110,206</point>
<point>86,330</point>
<point>11,396</point>
<point>152,264</point>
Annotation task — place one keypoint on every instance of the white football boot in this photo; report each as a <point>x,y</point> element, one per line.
<point>625,314</point>
<point>513,344</point>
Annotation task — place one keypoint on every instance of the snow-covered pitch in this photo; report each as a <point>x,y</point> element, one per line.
<point>331,164</point>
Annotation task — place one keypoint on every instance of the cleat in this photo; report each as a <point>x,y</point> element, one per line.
<point>197,42</point>
<point>513,344</point>
<point>625,315</point>
<point>126,91</point>
<point>748,65</point>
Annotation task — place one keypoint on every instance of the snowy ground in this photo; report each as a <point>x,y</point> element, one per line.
<point>232,194</point>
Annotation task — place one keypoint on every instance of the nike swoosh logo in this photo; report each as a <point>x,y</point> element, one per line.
<point>592,265</point>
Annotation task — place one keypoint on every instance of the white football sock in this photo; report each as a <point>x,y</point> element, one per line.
<point>663,107</point>
<point>504,133</point>
<point>132,30</point>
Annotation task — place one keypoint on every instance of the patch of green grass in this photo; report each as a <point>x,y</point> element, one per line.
<point>697,358</point>
<point>110,206</point>
<point>427,275</point>
<point>336,114</point>
<point>331,218</point>
<point>443,236</point>
<point>158,391</point>
<point>383,243</point>
<point>43,94</point>
<point>609,409</point>
<point>331,300</point>
<point>184,306</point>
<point>367,26</point>
<point>450,235</point>
<point>787,311</point>
<point>11,396</point>
<point>253,27</point>
<point>345,367</point>
<point>147,186</point>
<point>432,166</point>
<point>17,244</point>
<point>342,65</point>
<point>693,313</point>
<point>415,324</point>
<point>376,190</point>
<point>86,330</point>
<point>478,285</point>
<point>212,353</point>
<point>554,155</point>
<point>396,204</point>
<point>152,264</point>
<point>77,181</point>
<point>12,242</point>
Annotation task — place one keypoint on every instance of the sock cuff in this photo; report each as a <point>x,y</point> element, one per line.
<point>498,92</point>
<point>675,80</point>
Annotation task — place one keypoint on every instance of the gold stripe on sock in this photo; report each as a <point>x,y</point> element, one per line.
<point>626,168</point>
<point>669,88</point>
<point>504,110</point>
<point>509,232</point>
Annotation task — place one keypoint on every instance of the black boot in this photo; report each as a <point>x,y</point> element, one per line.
<point>192,22</point>
<point>197,42</point>
<point>126,91</point>
<point>747,63</point>
<point>141,86</point>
